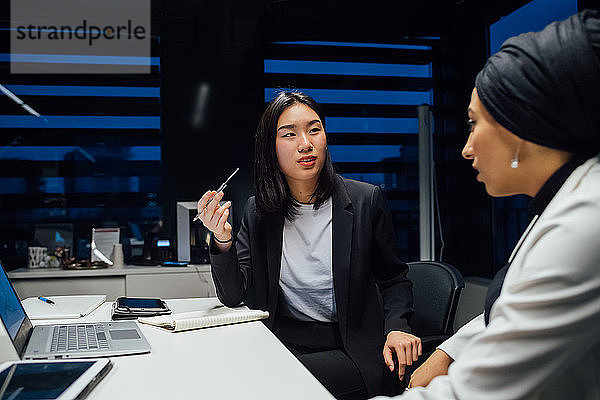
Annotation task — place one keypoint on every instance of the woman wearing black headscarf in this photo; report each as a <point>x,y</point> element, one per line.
<point>535,130</point>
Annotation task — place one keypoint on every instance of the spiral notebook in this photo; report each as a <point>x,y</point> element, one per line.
<point>204,319</point>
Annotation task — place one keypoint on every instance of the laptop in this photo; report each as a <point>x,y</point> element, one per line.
<point>60,341</point>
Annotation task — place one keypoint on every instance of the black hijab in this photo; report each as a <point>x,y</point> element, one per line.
<point>545,86</point>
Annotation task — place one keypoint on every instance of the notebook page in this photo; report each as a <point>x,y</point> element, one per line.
<point>204,319</point>
<point>64,306</point>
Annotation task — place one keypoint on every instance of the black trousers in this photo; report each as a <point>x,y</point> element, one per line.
<point>318,346</point>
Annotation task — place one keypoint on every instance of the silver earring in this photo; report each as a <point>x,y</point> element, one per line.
<point>514,163</point>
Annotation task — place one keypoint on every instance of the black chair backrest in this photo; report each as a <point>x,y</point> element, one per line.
<point>436,290</point>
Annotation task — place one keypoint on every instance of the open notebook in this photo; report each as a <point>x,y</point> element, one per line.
<point>64,306</point>
<point>204,319</point>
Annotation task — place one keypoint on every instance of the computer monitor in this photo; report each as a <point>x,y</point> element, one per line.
<point>54,235</point>
<point>192,237</point>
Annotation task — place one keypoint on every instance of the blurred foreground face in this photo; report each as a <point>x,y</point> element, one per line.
<point>491,147</point>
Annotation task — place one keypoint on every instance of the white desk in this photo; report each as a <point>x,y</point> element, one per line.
<point>243,361</point>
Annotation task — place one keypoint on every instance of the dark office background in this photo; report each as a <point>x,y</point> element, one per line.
<point>121,150</point>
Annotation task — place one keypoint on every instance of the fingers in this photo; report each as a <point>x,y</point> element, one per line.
<point>213,204</point>
<point>405,346</point>
<point>212,214</point>
<point>401,369</point>
<point>224,212</point>
<point>414,353</point>
<point>402,354</point>
<point>437,364</point>
<point>215,215</point>
<point>204,200</point>
<point>388,357</point>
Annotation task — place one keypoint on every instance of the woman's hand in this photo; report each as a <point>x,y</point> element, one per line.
<point>437,364</point>
<point>406,347</point>
<point>214,217</point>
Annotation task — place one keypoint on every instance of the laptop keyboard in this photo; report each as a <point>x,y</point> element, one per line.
<point>78,337</point>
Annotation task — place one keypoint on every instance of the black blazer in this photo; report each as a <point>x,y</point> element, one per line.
<point>372,294</point>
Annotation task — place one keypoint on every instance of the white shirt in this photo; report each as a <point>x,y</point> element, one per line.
<point>543,339</point>
<point>306,277</point>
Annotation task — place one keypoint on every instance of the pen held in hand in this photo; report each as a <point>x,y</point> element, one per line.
<point>221,188</point>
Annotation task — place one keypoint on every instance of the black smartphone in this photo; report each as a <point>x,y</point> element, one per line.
<point>134,307</point>
<point>141,304</point>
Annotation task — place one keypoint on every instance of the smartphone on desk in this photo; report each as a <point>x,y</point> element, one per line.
<point>133,307</point>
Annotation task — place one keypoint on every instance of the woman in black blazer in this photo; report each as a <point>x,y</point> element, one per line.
<point>317,251</point>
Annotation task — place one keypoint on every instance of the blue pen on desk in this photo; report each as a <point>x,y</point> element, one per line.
<point>45,300</point>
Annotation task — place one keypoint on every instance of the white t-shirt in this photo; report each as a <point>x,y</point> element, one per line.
<point>306,278</point>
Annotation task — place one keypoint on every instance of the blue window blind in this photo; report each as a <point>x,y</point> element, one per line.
<point>79,121</point>
<point>532,17</point>
<point>77,59</point>
<point>85,91</point>
<point>92,159</point>
<point>370,93</point>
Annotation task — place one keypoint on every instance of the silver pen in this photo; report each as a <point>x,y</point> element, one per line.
<point>221,188</point>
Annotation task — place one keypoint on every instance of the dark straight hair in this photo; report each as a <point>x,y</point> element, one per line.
<point>273,196</point>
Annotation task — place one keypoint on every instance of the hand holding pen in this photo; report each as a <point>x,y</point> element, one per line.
<point>220,189</point>
<point>214,216</point>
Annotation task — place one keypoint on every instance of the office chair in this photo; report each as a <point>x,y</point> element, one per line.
<point>472,300</point>
<point>436,291</point>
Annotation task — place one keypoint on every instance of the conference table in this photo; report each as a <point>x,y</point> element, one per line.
<point>240,361</point>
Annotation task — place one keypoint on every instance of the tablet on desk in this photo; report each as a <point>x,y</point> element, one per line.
<point>60,380</point>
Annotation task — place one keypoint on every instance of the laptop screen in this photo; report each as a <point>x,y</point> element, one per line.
<point>12,313</point>
<point>11,310</point>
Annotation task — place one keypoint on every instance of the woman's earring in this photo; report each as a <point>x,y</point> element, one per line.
<point>514,163</point>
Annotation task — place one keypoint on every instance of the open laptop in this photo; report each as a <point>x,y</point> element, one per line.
<point>72,340</point>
